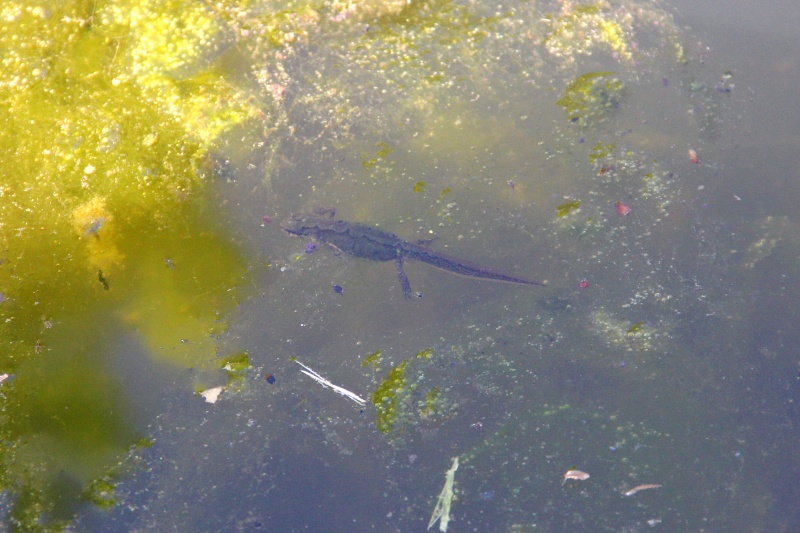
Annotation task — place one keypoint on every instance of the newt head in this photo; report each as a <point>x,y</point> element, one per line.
<point>295,226</point>
<point>309,225</point>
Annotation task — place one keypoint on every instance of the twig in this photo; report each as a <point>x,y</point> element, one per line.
<point>325,383</point>
<point>442,510</point>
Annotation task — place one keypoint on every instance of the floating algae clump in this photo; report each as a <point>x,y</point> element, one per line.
<point>582,28</point>
<point>171,46</point>
<point>399,400</point>
<point>105,229</point>
<point>385,397</point>
<point>591,97</point>
<point>236,366</point>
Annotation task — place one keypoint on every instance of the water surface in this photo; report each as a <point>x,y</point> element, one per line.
<point>548,140</point>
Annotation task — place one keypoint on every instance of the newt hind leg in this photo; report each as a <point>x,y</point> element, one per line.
<point>401,275</point>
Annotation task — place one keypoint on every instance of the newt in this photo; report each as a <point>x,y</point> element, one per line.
<point>367,242</point>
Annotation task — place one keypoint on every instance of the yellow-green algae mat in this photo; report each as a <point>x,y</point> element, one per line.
<point>105,230</point>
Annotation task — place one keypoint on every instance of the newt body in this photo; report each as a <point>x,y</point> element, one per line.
<point>367,242</point>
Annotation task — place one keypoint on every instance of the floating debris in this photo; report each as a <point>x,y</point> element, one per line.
<point>442,510</point>
<point>336,388</point>
<point>567,207</point>
<point>577,475</point>
<point>4,377</point>
<point>693,157</point>
<point>637,488</point>
<point>622,209</point>
<point>94,227</point>
<point>212,395</point>
<point>102,279</point>
<point>636,328</point>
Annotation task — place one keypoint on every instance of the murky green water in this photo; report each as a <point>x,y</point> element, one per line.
<point>151,150</point>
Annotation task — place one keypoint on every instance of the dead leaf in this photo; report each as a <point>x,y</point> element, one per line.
<point>578,475</point>
<point>637,488</point>
<point>211,395</point>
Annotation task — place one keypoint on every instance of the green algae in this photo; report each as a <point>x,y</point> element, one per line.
<point>585,28</point>
<point>372,359</point>
<point>601,151</point>
<point>429,402</point>
<point>386,397</point>
<point>424,354</point>
<point>97,167</point>
<point>369,161</point>
<point>591,97</point>
<point>637,337</point>
<point>101,492</point>
<point>236,366</point>
<point>392,398</point>
<point>169,50</point>
<point>60,426</point>
<point>567,208</point>
<point>636,328</point>
<point>105,229</point>
<point>397,401</point>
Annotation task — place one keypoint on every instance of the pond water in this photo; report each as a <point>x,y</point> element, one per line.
<point>636,157</point>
